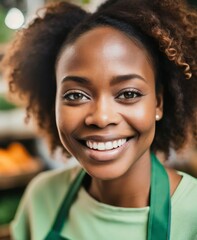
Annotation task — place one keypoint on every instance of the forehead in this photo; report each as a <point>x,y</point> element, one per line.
<point>103,45</point>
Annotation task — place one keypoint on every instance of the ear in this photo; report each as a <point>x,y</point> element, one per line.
<point>159,106</point>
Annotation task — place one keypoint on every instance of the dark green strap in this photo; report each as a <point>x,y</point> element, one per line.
<point>160,211</point>
<point>55,236</point>
<point>63,212</point>
<point>68,201</point>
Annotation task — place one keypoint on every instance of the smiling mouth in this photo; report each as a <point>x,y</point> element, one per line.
<point>105,149</point>
<point>102,146</point>
<point>105,145</point>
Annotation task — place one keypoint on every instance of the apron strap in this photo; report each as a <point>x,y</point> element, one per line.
<point>159,220</point>
<point>68,201</point>
<point>55,236</point>
<point>63,211</point>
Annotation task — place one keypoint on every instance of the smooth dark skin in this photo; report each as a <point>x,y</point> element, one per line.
<point>93,75</point>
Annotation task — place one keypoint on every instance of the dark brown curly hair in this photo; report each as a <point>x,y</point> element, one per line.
<point>168,31</point>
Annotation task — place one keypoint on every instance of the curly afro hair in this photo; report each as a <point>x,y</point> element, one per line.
<point>168,31</point>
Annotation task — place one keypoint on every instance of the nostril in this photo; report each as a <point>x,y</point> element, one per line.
<point>101,121</point>
<point>96,118</point>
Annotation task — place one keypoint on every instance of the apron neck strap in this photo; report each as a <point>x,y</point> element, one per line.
<point>159,220</point>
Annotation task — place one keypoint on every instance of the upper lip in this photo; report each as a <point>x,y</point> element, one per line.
<point>103,138</point>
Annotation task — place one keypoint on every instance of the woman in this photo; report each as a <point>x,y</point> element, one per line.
<point>111,88</point>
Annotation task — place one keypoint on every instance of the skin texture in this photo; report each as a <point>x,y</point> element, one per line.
<point>92,103</point>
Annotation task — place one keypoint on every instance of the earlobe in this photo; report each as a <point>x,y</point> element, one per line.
<point>159,106</point>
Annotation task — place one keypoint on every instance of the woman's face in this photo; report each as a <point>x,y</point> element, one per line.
<point>106,102</point>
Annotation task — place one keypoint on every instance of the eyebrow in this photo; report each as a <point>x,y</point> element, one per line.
<point>127,77</point>
<point>77,79</point>
<point>115,80</point>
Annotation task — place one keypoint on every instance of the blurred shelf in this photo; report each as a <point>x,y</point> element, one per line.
<point>20,179</point>
<point>20,161</point>
<point>12,125</point>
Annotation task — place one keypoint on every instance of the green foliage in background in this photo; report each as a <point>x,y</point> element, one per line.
<point>85,1</point>
<point>6,105</point>
<point>5,33</point>
<point>8,204</point>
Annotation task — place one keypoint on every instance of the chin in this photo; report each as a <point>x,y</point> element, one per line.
<point>107,172</point>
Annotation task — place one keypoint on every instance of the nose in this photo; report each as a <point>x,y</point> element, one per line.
<point>102,114</point>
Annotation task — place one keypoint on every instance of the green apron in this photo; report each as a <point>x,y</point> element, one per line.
<point>159,219</point>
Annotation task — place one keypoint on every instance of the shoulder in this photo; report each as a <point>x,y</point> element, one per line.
<point>187,187</point>
<point>184,198</point>
<point>40,203</point>
<point>52,180</point>
<point>180,180</point>
<point>184,208</point>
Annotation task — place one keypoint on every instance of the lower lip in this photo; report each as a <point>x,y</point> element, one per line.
<point>106,155</point>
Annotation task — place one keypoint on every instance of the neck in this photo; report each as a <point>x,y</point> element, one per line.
<point>130,191</point>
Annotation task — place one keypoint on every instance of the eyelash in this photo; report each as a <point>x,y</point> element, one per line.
<point>133,94</point>
<point>68,94</point>
<point>71,94</point>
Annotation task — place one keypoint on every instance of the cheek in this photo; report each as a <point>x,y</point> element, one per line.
<point>65,119</point>
<point>142,117</point>
<point>67,122</point>
<point>68,119</point>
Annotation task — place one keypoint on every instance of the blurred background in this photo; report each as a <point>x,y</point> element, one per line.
<point>23,152</point>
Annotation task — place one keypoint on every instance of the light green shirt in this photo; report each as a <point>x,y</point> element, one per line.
<point>92,220</point>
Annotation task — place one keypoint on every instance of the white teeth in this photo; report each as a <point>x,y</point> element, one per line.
<point>94,146</point>
<point>91,145</point>
<point>119,142</point>
<point>115,144</point>
<point>108,145</point>
<point>101,146</point>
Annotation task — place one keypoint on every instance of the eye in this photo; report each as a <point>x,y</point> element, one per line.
<point>75,96</point>
<point>129,94</point>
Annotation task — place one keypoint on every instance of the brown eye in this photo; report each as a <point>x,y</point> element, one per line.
<point>129,94</point>
<point>75,96</point>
